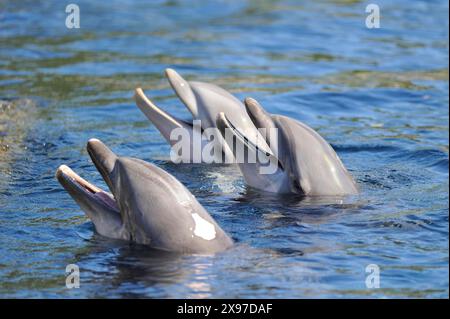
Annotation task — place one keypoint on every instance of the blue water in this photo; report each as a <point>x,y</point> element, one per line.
<point>380,96</point>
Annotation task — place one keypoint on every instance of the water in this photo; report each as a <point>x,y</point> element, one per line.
<point>380,96</point>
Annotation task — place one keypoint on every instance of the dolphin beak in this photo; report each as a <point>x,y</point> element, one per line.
<point>223,123</point>
<point>103,158</point>
<point>183,91</point>
<point>151,111</point>
<point>81,190</point>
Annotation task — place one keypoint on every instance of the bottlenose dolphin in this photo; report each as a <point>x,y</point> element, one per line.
<point>147,205</point>
<point>305,163</point>
<point>204,101</point>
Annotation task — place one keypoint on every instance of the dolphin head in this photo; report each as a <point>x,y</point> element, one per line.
<point>307,164</point>
<point>205,101</point>
<point>151,206</point>
<point>183,90</point>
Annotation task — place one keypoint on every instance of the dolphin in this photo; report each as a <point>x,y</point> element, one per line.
<point>146,205</point>
<point>204,101</point>
<point>304,163</point>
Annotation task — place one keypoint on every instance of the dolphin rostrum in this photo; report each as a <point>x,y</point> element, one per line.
<point>306,163</point>
<point>204,101</point>
<point>146,205</point>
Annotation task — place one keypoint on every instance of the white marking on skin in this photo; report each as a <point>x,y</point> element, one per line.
<point>203,228</point>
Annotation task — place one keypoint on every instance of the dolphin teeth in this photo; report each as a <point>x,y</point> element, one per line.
<point>98,193</point>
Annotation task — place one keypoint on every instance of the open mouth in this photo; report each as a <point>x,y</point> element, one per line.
<point>226,124</point>
<point>244,139</point>
<point>241,136</point>
<point>69,178</point>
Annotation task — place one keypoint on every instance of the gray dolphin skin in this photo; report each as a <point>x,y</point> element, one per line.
<point>146,205</point>
<point>306,163</point>
<point>204,101</point>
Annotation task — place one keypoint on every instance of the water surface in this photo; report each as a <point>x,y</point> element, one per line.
<point>380,96</point>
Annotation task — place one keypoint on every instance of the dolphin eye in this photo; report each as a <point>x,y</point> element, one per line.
<point>296,186</point>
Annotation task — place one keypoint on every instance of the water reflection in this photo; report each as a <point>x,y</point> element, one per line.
<point>117,265</point>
